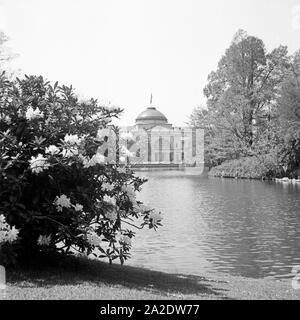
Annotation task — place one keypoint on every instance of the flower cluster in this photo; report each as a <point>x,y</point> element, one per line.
<point>111,215</point>
<point>38,164</point>
<point>52,150</point>
<point>72,139</point>
<point>33,113</point>
<point>107,186</point>
<point>78,207</point>
<point>155,217</point>
<point>126,240</point>
<point>44,240</point>
<point>143,208</point>
<point>129,191</point>
<point>62,202</point>
<point>109,200</point>
<point>96,159</point>
<point>7,233</point>
<point>70,152</point>
<point>71,143</point>
<point>93,239</point>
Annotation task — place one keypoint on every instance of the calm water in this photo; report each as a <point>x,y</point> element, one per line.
<point>248,228</point>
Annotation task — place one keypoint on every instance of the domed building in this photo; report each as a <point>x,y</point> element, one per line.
<point>156,143</point>
<point>151,118</point>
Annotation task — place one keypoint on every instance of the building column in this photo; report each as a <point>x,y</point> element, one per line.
<point>160,142</point>
<point>172,149</point>
<point>149,146</point>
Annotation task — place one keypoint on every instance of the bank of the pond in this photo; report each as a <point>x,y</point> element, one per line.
<point>247,168</point>
<point>90,279</point>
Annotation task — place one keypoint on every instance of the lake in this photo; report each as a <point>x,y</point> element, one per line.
<point>212,225</point>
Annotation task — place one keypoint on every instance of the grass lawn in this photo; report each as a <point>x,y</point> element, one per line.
<point>80,278</point>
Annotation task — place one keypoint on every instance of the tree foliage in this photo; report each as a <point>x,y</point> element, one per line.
<point>249,98</point>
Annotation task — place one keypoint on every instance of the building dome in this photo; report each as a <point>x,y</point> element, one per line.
<point>151,115</point>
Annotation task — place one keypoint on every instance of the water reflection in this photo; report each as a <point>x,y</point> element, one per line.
<point>248,228</point>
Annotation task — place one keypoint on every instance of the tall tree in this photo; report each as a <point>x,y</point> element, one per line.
<point>289,116</point>
<point>241,92</point>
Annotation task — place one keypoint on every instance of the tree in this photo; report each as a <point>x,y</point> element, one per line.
<point>218,146</point>
<point>242,99</point>
<point>289,116</point>
<point>241,91</point>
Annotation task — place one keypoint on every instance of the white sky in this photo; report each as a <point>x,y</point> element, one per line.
<point>121,50</point>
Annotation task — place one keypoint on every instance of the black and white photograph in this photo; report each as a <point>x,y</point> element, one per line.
<point>150,151</point>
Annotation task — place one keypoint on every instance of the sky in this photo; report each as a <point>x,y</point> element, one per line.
<point>122,50</point>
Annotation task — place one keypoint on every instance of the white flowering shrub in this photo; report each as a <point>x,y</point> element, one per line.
<point>8,235</point>
<point>58,194</point>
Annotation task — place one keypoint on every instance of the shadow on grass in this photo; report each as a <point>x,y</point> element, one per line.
<point>76,271</point>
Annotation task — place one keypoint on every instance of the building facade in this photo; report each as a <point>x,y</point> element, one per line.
<point>154,142</point>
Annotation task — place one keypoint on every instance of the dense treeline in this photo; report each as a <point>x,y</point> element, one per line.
<point>252,116</point>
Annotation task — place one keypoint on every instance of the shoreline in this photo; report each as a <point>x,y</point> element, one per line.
<point>86,279</point>
<point>283,180</point>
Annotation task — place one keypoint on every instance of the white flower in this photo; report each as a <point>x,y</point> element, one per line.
<point>122,159</point>
<point>12,234</point>
<point>62,202</point>
<point>2,220</point>
<point>128,190</point>
<point>38,164</point>
<point>126,240</point>
<point>93,239</point>
<point>3,235</point>
<point>155,217</point>
<point>78,207</point>
<point>32,114</point>
<point>96,159</point>
<point>109,200</point>
<point>69,152</point>
<point>44,240</point>
<point>107,186</point>
<point>143,208</point>
<point>52,150</point>
<point>72,139</point>
<point>111,215</point>
<point>7,233</point>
